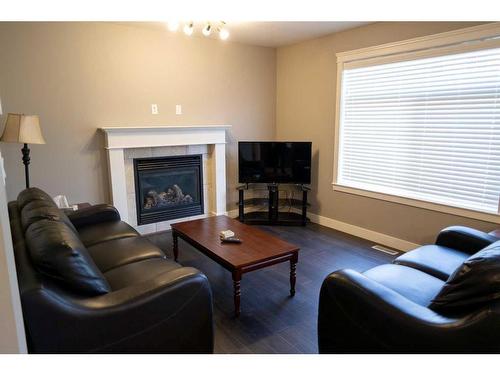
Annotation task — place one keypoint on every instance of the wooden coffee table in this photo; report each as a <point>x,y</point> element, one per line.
<point>257,250</point>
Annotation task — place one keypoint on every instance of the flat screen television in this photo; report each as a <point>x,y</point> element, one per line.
<point>274,162</point>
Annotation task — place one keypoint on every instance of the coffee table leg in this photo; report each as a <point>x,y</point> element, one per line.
<point>237,292</point>
<point>175,246</point>
<point>293,274</point>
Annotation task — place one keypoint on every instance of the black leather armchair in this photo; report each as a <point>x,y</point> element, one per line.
<point>465,239</point>
<point>145,302</point>
<point>388,309</point>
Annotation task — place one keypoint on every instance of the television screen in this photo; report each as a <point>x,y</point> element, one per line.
<point>274,162</point>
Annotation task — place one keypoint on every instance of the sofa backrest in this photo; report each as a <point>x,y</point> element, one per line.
<point>47,245</point>
<point>33,194</point>
<point>40,210</point>
<point>475,283</point>
<point>57,252</point>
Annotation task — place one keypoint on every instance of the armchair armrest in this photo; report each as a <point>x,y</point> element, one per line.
<point>171,313</point>
<point>360,315</point>
<point>95,214</point>
<point>464,239</point>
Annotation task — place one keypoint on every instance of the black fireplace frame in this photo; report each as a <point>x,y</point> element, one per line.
<point>168,162</point>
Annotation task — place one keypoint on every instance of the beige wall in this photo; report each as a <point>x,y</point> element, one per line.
<point>305,110</point>
<point>82,76</point>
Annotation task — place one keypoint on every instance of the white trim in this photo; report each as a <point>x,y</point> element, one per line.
<point>13,338</point>
<point>462,212</point>
<point>142,128</point>
<point>159,136</point>
<point>367,234</point>
<point>422,54</point>
<point>118,182</point>
<point>219,157</point>
<point>449,42</point>
<point>336,131</point>
<point>430,41</point>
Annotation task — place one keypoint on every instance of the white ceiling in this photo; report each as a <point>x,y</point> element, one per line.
<point>277,34</point>
<point>270,34</point>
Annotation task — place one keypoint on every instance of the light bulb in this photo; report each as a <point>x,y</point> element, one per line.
<point>188,29</point>
<point>173,25</point>
<point>223,34</point>
<point>207,30</point>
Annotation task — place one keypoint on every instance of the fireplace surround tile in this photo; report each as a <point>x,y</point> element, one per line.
<point>169,151</point>
<point>129,175</point>
<point>197,149</point>
<point>131,153</point>
<point>132,209</point>
<point>123,144</point>
<point>140,152</point>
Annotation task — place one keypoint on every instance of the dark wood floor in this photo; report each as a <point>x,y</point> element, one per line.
<point>271,321</point>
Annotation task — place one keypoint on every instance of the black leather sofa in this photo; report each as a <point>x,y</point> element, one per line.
<point>89,283</point>
<point>442,298</point>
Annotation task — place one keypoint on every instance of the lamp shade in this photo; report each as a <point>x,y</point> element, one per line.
<point>22,129</point>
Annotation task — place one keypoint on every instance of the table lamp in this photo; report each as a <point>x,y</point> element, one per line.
<point>25,129</point>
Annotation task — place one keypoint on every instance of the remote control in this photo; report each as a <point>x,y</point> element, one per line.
<point>226,234</point>
<point>231,240</point>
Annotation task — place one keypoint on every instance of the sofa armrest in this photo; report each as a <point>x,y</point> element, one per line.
<point>360,315</point>
<point>464,239</point>
<point>95,214</point>
<point>171,313</point>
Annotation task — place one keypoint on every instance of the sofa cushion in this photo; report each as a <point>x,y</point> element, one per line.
<point>112,230</point>
<point>438,261</point>
<point>111,254</point>
<point>95,214</point>
<point>138,272</point>
<point>57,252</point>
<point>475,282</point>
<point>39,210</point>
<point>33,194</point>
<point>413,284</point>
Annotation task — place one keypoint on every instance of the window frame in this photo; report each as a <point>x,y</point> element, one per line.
<point>457,41</point>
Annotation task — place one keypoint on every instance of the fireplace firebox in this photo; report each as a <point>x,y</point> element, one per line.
<point>168,188</point>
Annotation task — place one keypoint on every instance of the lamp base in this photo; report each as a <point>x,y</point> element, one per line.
<point>26,161</point>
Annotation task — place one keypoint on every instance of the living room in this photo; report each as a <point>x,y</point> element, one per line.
<point>252,185</point>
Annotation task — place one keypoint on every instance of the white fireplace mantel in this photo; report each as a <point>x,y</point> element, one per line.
<point>120,138</point>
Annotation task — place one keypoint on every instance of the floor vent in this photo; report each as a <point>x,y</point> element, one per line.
<point>385,250</point>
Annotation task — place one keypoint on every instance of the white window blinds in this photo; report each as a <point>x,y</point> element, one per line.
<point>427,129</point>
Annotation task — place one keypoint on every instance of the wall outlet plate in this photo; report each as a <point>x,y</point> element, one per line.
<point>154,109</point>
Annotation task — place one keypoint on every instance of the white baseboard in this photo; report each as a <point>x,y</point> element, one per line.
<point>226,213</point>
<point>367,234</point>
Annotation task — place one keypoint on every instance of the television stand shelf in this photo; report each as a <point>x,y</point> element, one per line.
<point>273,203</point>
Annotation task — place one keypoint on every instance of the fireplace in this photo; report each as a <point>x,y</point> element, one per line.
<point>168,188</point>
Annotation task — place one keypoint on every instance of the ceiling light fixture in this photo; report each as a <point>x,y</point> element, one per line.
<point>189,28</point>
<point>207,30</point>
<point>223,34</point>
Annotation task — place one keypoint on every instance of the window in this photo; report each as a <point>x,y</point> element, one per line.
<point>425,128</point>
